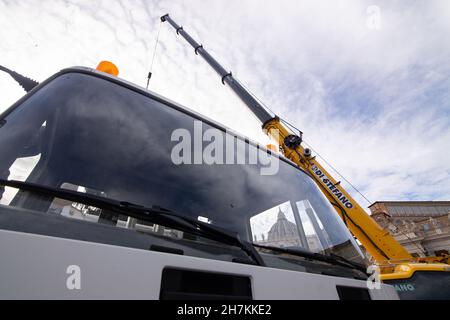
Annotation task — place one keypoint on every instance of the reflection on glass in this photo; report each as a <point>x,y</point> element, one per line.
<point>276,227</point>
<point>20,171</point>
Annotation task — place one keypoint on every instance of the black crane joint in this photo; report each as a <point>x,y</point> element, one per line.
<point>293,141</point>
<point>163,18</point>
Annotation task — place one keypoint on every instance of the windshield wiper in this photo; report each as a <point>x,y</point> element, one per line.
<point>333,258</point>
<point>347,261</point>
<point>155,215</point>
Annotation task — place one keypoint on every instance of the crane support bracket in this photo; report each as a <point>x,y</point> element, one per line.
<point>229,74</point>
<point>196,49</point>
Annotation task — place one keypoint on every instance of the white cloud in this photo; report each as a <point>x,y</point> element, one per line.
<point>375,103</point>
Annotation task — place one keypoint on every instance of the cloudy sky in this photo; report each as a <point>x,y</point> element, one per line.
<point>366,81</point>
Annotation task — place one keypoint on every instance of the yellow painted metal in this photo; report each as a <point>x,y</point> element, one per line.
<point>377,241</point>
<point>445,258</point>
<point>394,260</point>
<point>407,270</point>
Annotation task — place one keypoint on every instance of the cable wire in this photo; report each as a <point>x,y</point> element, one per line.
<point>254,96</point>
<point>335,170</point>
<point>154,54</point>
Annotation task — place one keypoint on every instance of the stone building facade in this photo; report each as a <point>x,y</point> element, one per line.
<point>422,227</point>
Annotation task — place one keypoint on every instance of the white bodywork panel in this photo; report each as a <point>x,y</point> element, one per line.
<point>35,267</point>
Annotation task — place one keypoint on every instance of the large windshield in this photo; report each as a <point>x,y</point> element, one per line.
<point>91,134</point>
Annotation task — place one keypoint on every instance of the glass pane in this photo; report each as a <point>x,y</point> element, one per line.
<point>276,227</point>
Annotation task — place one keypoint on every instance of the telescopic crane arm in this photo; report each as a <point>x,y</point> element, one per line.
<point>377,241</point>
<point>227,77</point>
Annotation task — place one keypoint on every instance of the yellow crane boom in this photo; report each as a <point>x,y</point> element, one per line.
<point>377,241</point>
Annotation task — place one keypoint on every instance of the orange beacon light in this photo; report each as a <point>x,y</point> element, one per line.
<point>108,67</point>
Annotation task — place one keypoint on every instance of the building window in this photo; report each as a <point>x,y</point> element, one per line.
<point>441,252</point>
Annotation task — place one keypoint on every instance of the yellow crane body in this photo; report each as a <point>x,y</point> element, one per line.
<point>395,262</point>
<point>377,241</point>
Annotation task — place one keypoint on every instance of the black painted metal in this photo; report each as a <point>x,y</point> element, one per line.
<point>227,78</point>
<point>26,83</point>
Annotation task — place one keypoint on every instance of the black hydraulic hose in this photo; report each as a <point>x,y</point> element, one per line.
<point>345,216</point>
<point>26,83</point>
